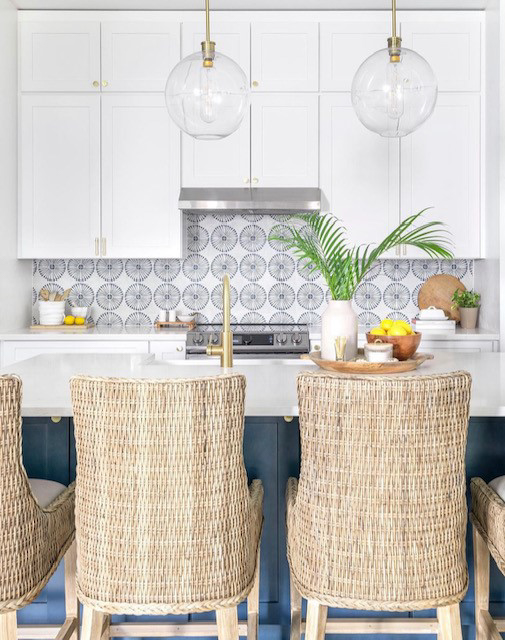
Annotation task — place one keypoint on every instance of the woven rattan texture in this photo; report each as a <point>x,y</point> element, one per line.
<point>488,515</point>
<point>165,520</point>
<point>32,539</point>
<point>378,518</point>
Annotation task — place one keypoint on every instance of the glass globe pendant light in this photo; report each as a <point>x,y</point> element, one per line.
<point>207,93</point>
<point>395,90</point>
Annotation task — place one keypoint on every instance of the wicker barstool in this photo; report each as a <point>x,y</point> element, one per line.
<point>377,519</point>
<point>165,520</point>
<point>36,528</point>
<point>488,525</point>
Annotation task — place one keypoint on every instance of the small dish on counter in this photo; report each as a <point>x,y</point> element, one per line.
<point>378,351</point>
<point>360,366</point>
<point>186,317</point>
<point>404,347</point>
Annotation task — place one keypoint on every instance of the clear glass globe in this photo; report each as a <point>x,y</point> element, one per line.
<point>393,99</point>
<point>208,103</point>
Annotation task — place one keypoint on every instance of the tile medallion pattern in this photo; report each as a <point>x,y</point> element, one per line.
<point>268,284</point>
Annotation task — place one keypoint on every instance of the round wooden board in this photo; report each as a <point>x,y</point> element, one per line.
<point>351,366</point>
<point>437,291</point>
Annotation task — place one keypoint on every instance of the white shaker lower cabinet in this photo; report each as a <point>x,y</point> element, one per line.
<point>440,168</point>
<point>359,172</point>
<point>15,351</point>
<point>59,175</point>
<point>168,349</point>
<point>284,145</point>
<point>140,178</point>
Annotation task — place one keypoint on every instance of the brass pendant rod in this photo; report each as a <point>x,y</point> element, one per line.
<point>207,22</point>
<point>394,19</point>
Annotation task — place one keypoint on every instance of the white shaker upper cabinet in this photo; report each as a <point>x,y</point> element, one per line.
<point>451,46</point>
<point>226,162</point>
<point>284,147</point>
<point>60,56</point>
<point>59,175</point>
<point>138,56</point>
<point>344,46</point>
<point>140,178</point>
<point>359,172</point>
<point>285,56</point>
<point>441,169</point>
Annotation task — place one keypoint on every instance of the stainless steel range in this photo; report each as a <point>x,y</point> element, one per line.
<point>252,340</point>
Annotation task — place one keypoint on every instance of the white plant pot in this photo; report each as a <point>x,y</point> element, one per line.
<point>51,312</point>
<point>339,319</point>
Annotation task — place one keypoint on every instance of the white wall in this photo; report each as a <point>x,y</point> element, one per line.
<point>15,275</point>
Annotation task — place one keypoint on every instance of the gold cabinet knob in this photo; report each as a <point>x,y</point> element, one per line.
<point>255,180</point>
<point>96,83</point>
<point>288,418</point>
<point>104,83</point>
<point>246,180</point>
<point>56,419</point>
<point>255,83</point>
<point>179,348</point>
<point>317,347</point>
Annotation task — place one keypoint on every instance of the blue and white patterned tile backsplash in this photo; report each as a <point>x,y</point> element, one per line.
<point>267,283</point>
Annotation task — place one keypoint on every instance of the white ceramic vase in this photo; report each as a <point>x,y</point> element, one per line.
<point>339,319</point>
<point>51,312</point>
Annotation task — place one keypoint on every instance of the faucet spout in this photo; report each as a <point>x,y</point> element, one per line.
<point>225,349</point>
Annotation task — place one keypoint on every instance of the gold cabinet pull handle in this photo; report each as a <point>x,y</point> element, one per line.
<point>104,246</point>
<point>96,83</point>
<point>97,246</point>
<point>105,83</point>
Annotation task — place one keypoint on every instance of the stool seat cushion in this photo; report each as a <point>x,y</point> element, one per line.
<point>45,491</point>
<point>498,485</point>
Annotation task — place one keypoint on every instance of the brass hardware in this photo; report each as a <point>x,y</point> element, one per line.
<point>246,181</point>
<point>104,246</point>
<point>96,83</point>
<point>105,83</point>
<point>317,347</point>
<point>225,349</point>
<point>56,419</point>
<point>255,83</point>
<point>255,180</point>
<point>288,418</point>
<point>179,348</point>
<point>395,42</point>
<point>208,47</point>
<point>97,246</point>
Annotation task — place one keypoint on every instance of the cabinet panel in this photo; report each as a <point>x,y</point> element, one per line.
<point>284,146</point>
<point>233,39</point>
<point>359,172</point>
<point>285,56</point>
<point>140,178</point>
<point>59,175</point>
<point>344,46</point>
<point>60,56</point>
<point>441,169</point>
<point>16,351</point>
<point>138,56</point>
<point>168,350</point>
<point>451,47</point>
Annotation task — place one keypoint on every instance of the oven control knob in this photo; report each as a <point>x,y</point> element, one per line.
<point>247,339</point>
<point>296,338</point>
<point>281,338</point>
<point>198,338</point>
<point>214,339</point>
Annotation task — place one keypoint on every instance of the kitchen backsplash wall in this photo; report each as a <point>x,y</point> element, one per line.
<point>268,284</point>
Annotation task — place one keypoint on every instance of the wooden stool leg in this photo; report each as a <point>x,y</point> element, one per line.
<point>106,628</point>
<point>481,572</point>
<point>227,623</point>
<point>296,610</point>
<point>316,620</point>
<point>253,604</point>
<point>71,601</point>
<point>450,622</point>
<point>8,626</point>
<point>92,624</point>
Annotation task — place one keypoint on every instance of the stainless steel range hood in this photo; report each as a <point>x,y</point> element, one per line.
<point>266,199</point>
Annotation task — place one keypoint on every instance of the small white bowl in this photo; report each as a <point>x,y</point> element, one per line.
<point>79,312</point>
<point>186,317</point>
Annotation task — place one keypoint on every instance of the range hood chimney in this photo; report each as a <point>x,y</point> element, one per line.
<point>255,199</point>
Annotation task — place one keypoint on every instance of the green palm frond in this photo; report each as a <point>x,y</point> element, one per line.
<point>321,240</point>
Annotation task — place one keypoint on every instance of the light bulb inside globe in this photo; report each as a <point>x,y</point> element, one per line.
<point>394,91</point>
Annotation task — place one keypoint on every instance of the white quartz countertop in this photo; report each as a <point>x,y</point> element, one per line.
<point>271,384</point>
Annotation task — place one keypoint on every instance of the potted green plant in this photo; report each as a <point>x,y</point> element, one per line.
<point>320,239</point>
<point>468,303</point>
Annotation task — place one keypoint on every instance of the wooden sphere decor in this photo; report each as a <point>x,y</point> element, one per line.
<point>437,291</point>
<point>404,347</point>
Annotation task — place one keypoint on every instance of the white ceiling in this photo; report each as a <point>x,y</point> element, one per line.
<point>247,4</point>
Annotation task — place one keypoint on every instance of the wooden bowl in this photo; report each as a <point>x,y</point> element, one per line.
<point>404,347</point>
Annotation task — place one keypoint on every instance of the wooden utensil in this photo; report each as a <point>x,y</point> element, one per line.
<point>437,291</point>
<point>352,366</point>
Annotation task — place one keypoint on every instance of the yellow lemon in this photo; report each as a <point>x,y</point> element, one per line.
<point>377,331</point>
<point>397,330</point>
<point>69,320</point>
<point>80,320</point>
<point>387,323</point>
<point>405,325</point>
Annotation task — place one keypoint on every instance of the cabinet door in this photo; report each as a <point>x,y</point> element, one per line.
<point>284,147</point>
<point>285,56</point>
<point>168,350</point>
<point>344,46</point>
<point>140,178</point>
<point>441,169</point>
<point>18,350</point>
<point>359,172</point>
<point>60,56</point>
<point>138,56</point>
<point>59,175</point>
<point>452,47</point>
